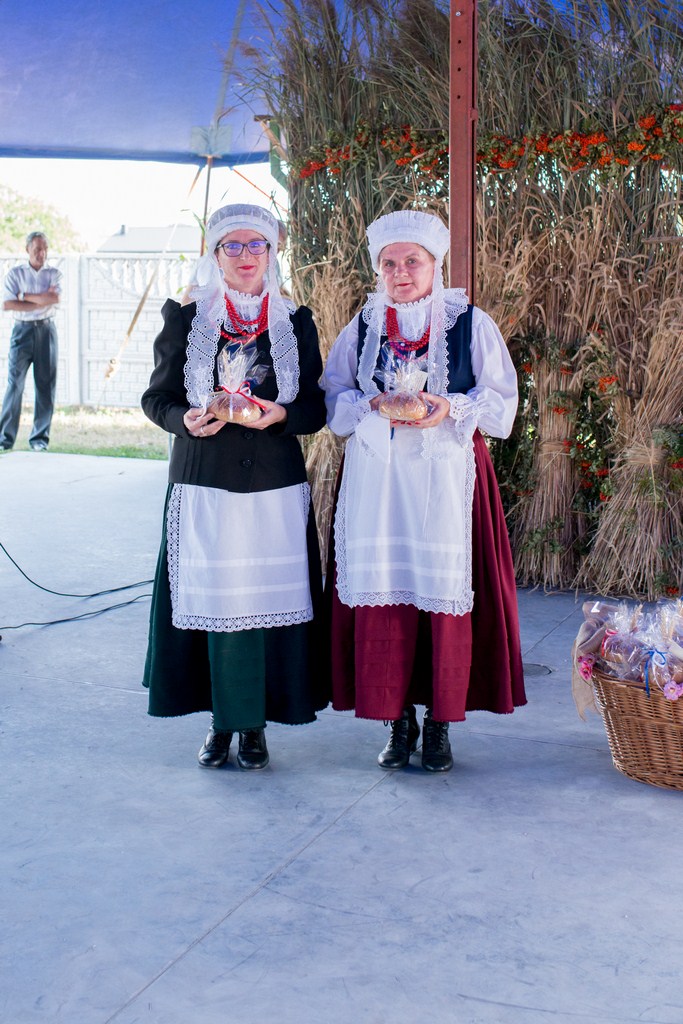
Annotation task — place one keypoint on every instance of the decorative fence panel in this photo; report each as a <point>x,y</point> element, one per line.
<point>100,295</point>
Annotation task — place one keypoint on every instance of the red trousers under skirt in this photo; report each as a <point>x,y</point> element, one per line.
<point>385,658</point>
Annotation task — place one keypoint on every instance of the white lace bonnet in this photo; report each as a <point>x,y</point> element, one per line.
<point>432,234</point>
<point>208,291</point>
<point>408,226</point>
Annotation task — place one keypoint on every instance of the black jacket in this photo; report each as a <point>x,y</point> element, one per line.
<point>237,458</point>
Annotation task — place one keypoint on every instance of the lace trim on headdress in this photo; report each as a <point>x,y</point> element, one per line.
<point>442,308</point>
<point>202,346</point>
<point>204,336</point>
<point>283,345</point>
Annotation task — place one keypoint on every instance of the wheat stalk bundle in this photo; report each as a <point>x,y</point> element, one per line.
<point>562,252</point>
<point>638,547</point>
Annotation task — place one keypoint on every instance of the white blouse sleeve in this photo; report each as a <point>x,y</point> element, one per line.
<point>495,394</point>
<point>346,403</point>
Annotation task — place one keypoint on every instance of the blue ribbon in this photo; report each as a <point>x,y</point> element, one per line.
<point>651,655</point>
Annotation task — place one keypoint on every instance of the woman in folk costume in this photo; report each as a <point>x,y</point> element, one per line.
<point>424,606</point>
<point>238,580</point>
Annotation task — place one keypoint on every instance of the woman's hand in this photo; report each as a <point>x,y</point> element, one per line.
<point>201,424</point>
<point>440,409</point>
<point>272,413</point>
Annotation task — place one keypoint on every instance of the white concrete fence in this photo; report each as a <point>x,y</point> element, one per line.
<point>99,297</point>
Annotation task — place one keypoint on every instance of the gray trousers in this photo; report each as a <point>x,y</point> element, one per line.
<point>31,342</point>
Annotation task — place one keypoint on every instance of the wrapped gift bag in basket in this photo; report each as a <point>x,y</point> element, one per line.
<point>628,666</point>
<point>645,731</point>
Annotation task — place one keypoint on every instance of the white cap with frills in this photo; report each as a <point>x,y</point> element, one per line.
<point>241,216</point>
<point>408,226</point>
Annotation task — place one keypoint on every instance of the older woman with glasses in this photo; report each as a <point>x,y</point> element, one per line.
<point>238,585</point>
<point>423,606</point>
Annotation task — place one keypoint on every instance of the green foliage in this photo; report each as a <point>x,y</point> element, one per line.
<point>671,439</point>
<point>20,215</point>
<point>92,430</point>
<point>122,451</point>
<point>546,537</point>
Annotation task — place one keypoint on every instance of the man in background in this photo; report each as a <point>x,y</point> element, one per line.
<point>31,292</point>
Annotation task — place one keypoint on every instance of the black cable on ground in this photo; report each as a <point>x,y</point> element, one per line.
<point>84,615</point>
<point>59,593</point>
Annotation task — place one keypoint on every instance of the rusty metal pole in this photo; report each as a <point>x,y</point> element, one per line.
<point>462,144</point>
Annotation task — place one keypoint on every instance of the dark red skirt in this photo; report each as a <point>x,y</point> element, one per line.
<point>385,658</point>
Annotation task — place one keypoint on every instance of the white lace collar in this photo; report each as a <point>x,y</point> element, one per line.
<point>209,293</point>
<point>244,298</point>
<point>411,306</point>
<point>247,306</point>
<point>413,317</point>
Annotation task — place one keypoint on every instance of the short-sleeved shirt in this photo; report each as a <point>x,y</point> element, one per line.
<point>25,279</point>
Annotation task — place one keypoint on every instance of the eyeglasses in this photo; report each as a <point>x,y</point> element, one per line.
<point>256,247</point>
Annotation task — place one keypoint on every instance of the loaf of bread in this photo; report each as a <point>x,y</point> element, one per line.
<point>624,655</point>
<point>402,405</point>
<point>234,408</point>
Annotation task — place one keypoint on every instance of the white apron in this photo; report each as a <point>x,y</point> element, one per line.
<point>238,561</point>
<point>403,525</point>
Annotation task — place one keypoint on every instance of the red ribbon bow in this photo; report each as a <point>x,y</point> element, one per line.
<point>245,390</point>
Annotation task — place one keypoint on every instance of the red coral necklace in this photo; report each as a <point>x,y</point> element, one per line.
<point>246,330</point>
<point>400,345</point>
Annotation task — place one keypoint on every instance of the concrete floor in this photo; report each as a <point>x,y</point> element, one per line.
<point>532,883</point>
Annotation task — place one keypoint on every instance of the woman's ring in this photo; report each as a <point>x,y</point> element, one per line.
<point>201,430</point>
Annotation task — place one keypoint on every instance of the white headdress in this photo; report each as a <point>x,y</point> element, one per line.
<point>432,234</point>
<point>208,291</point>
<point>408,226</point>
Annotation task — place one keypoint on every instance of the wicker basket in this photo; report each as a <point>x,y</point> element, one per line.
<point>645,733</point>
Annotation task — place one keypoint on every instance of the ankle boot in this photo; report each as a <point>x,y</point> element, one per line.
<point>405,733</point>
<point>436,748</point>
<point>253,752</point>
<point>216,748</point>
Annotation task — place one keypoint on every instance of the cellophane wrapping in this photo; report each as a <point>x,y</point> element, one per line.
<point>238,373</point>
<point>403,379</point>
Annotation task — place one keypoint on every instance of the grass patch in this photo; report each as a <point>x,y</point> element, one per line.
<point>90,430</point>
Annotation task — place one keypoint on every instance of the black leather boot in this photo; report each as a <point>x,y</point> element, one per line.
<point>436,748</point>
<point>405,733</point>
<point>216,748</point>
<point>253,752</point>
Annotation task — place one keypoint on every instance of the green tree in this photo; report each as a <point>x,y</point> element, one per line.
<point>21,214</point>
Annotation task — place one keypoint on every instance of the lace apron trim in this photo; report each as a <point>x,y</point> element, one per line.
<point>238,561</point>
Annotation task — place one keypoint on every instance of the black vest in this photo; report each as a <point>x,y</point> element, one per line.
<point>460,375</point>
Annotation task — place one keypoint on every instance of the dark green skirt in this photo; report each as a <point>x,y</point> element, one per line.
<point>245,678</point>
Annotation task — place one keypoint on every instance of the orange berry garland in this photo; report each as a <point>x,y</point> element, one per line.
<point>655,136</point>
